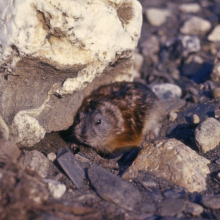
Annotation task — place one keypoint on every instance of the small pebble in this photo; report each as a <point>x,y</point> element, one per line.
<point>217,113</point>
<point>148,184</point>
<point>195,119</point>
<point>175,193</point>
<point>172,116</point>
<point>194,99</point>
<point>171,207</point>
<point>216,92</point>
<point>138,61</point>
<point>157,16</point>
<point>81,158</point>
<point>207,134</point>
<point>218,161</point>
<point>190,7</point>
<point>156,195</point>
<point>190,44</point>
<point>218,176</point>
<point>195,25</point>
<point>56,188</point>
<point>193,209</point>
<point>167,91</point>
<point>211,201</point>
<point>215,34</point>
<point>51,156</point>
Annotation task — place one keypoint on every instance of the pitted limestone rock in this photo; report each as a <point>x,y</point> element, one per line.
<point>172,160</point>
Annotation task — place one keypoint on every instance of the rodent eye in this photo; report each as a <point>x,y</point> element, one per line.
<point>98,122</point>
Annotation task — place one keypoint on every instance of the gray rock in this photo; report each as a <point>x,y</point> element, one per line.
<point>195,25</point>
<point>71,166</point>
<point>211,201</point>
<point>171,207</point>
<point>207,134</point>
<point>150,46</point>
<point>8,150</point>
<point>175,193</point>
<point>156,195</point>
<point>172,160</point>
<point>35,161</point>
<point>112,188</point>
<point>193,209</point>
<point>147,207</point>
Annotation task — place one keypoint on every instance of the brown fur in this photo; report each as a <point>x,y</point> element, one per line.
<point>128,112</point>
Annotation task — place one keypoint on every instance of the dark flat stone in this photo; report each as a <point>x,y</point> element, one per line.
<point>156,195</point>
<point>175,193</point>
<point>112,188</point>
<point>71,166</point>
<point>171,207</point>
<point>211,201</point>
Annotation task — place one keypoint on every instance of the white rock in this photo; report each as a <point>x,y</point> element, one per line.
<point>25,128</point>
<point>190,7</point>
<point>157,16</point>
<point>215,34</point>
<point>167,91</point>
<point>172,160</point>
<point>195,119</point>
<point>172,116</point>
<point>56,188</point>
<point>51,156</point>
<point>69,33</point>
<point>195,25</point>
<point>207,134</point>
<point>190,43</point>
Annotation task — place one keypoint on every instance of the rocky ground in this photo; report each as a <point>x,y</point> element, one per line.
<point>179,44</point>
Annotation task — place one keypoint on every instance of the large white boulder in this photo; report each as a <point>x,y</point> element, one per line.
<point>67,33</point>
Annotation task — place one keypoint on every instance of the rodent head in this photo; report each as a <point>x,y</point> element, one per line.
<point>97,123</point>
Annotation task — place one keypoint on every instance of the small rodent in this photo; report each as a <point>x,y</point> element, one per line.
<point>117,117</point>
